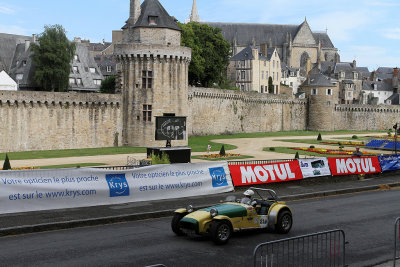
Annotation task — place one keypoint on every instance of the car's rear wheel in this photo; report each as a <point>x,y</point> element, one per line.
<point>175,224</point>
<point>285,222</point>
<point>220,232</point>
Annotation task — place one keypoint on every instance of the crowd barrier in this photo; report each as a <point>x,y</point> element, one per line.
<point>317,249</point>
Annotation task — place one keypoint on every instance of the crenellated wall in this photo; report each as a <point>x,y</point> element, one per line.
<point>365,117</point>
<point>215,111</point>
<point>48,120</point>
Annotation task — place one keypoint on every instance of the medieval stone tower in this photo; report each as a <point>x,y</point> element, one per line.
<point>153,70</point>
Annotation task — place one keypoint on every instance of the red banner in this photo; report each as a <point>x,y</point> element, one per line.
<point>348,166</point>
<point>265,173</point>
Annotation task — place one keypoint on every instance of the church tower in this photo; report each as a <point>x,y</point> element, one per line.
<point>153,69</point>
<point>194,16</point>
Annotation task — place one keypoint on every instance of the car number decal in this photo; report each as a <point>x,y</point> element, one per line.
<point>264,221</point>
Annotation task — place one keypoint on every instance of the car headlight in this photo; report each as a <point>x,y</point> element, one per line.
<point>190,208</point>
<point>213,212</point>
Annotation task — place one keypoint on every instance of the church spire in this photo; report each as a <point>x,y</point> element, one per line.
<point>194,16</point>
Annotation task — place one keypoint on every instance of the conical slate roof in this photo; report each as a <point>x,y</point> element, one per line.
<point>153,8</point>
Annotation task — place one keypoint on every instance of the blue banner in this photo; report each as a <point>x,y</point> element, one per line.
<point>389,163</point>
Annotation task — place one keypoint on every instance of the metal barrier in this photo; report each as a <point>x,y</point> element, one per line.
<point>318,249</point>
<point>396,240</point>
<point>251,162</point>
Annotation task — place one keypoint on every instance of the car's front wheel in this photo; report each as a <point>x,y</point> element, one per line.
<point>285,222</point>
<point>220,232</point>
<point>175,224</point>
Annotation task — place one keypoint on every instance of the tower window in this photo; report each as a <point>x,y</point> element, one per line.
<point>147,79</point>
<point>147,111</point>
<point>328,91</point>
<point>243,75</point>
<point>153,20</point>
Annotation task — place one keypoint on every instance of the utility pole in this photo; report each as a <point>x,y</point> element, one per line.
<point>395,137</point>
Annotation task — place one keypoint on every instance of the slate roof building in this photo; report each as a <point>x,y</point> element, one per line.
<point>294,43</point>
<point>8,43</point>
<point>84,76</point>
<point>251,68</point>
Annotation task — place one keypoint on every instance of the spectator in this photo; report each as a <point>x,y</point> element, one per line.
<point>357,153</point>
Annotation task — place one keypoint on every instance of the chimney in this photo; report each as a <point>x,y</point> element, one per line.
<point>354,64</point>
<point>134,11</point>
<point>34,38</point>
<point>396,72</point>
<point>263,49</point>
<point>27,45</point>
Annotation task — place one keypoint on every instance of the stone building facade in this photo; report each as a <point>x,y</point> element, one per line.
<point>153,70</point>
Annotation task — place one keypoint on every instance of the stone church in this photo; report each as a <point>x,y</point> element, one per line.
<point>294,43</point>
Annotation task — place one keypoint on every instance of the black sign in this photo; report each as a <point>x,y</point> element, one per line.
<point>170,128</point>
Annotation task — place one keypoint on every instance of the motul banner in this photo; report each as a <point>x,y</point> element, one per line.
<point>348,166</point>
<point>265,173</point>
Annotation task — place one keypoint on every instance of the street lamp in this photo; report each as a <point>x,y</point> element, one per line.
<point>395,127</point>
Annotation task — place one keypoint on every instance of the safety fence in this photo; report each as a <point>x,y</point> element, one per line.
<point>396,241</point>
<point>317,249</point>
<point>254,162</point>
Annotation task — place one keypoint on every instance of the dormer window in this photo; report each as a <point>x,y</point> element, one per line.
<point>153,20</point>
<point>24,63</point>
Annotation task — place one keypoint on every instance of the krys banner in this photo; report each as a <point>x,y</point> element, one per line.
<point>265,173</point>
<point>314,167</point>
<point>33,190</point>
<point>347,166</point>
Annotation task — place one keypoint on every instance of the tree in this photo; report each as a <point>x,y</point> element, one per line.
<point>6,165</point>
<point>108,85</point>
<point>222,151</point>
<point>297,156</point>
<point>319,138</point>
<point>270,85</point>
<point>51,57</point>
<point>210,54</point>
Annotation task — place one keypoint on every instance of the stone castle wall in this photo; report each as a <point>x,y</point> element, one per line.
<point>365,117</point>
<point>46,120</point>
<point>215,111</point>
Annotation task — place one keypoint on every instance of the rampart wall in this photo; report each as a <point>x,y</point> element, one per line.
<point>215,111</point>
<point>46,120</point>
<point>365,117</point>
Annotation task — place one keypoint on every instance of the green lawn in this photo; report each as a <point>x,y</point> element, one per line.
<point>316,142</point>
<point>80,165</point>
<point>224,159</point>
<point>46,154</point>
<point>286,150</point>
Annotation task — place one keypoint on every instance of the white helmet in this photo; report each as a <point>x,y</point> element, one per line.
<point>249,193</point>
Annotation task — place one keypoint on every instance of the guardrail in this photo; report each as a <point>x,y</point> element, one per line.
<point>396,240</point>
<point>251,162</point>
<point>318,249</point>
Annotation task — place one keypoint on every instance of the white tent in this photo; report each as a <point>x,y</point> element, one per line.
<point>6,83</point>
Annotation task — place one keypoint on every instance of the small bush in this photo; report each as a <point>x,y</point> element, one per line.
<point>297,156</point>
<point>156,159</point>
<point>222,151</point>
<point>272,148</point>
<point>312,146</point>
<point>319,137</point>
<point>354,137</point>
<point>6,165</point>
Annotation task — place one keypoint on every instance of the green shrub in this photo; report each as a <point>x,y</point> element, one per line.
<point>319,137</point>
<point>6,165</point>
<point>222,151</point>
<point>272,148</point>
<point>312,146</point>
<point>354,137</point>
<point>297,156</point>
<point>156,159</point>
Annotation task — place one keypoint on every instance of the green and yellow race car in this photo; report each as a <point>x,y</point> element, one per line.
<point>258,209</point>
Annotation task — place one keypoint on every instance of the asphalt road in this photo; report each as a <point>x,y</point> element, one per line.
<point>367,219</point>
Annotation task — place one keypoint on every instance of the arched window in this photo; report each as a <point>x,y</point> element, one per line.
<point>303,59</point>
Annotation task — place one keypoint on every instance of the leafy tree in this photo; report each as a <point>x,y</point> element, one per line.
<point>210,54</point>
<point>108,85</point>
<point>52,56</point>
<point>6,165</point>
<point>270,85</point>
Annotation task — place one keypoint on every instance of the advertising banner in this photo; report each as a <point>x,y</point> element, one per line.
<point>265,173</point>
<point>314,167</point>
<point>348,166</point>
<point>32,190</point>
<point>390,163</point>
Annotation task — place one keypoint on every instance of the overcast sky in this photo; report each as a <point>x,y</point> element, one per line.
<point>365,30</point>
